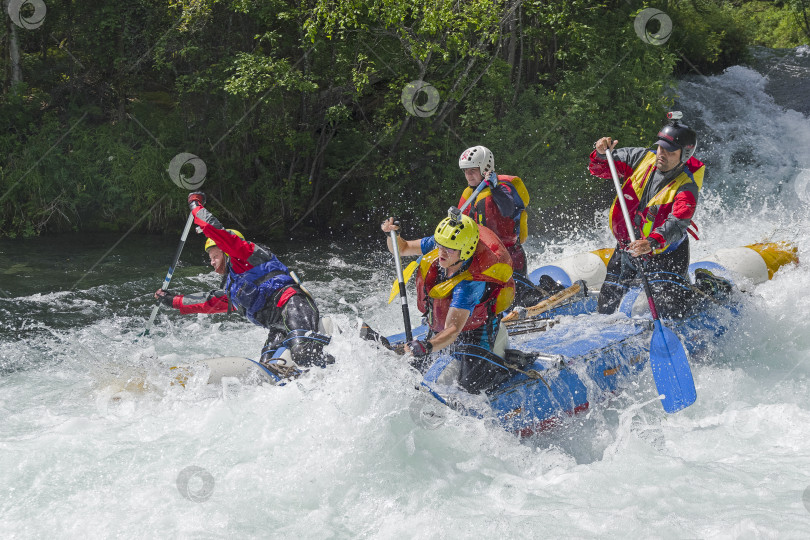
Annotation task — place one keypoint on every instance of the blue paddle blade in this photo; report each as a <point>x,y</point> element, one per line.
<point>670,368</point>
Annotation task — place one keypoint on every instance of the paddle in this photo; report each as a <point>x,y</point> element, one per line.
<point>455,213</point>
<point>369,334</point>
<point>519,313</point>
<point>408,273</point>
<point>668,360</point>
<point>402,294</point>
<point>170,272</point>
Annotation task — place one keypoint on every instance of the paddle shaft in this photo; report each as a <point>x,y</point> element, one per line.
<point>543,306</point>
<point>455,213</point>
<point>630,231</point>
<point>169,274</point>
<point>474,195</point>
<point>403,297</point>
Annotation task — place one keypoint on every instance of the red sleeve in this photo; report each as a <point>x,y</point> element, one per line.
<point>208,304</point>
<point>683,207</point>
<point>599,167</point>
<point>658,238</point>
<point>237,249</point>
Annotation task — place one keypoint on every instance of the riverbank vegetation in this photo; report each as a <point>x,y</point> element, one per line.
<point>322,117</point>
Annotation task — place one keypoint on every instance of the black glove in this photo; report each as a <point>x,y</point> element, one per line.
<point>420,348</point>
<point>196,199</point>
<point>166,297</point>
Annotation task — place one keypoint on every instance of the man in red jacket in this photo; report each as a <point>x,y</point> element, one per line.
<point>259,286</point>
<point>661,189</point>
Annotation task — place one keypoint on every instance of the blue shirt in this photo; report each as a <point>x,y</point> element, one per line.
<point>467,294</point>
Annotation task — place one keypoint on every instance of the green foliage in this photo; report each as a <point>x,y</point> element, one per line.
<point>775,25</point>
<point>706,36</point>
<point>801,12</point>
<point>297,107</point>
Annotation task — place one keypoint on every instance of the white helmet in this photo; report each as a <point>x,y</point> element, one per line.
<point>477,156</point>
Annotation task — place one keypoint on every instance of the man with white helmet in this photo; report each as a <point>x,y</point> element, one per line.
<point>259,286</point>
<point>463,284</point>
<point>500,206</point>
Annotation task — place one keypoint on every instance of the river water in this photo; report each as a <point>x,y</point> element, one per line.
<point>96,441</point>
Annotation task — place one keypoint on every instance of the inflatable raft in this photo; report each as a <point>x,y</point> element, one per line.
<point>571,358</point>
<point>568,358</point>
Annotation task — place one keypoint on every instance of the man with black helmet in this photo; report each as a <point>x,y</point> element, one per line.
<point>661,188</point>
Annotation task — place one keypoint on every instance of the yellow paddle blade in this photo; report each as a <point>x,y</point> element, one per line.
<point>407,274</point>
<point>182,376</point>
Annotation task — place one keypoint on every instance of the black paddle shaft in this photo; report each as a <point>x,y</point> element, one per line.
<point>403,298</point>
<point>169,274</point>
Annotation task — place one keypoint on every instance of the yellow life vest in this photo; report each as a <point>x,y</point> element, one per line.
<point>523,193</point>
<point>633,189</point>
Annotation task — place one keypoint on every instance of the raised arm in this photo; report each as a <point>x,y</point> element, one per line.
<point>406,247</point>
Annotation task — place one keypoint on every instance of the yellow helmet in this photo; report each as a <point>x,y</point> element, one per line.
<point>462,236</point>
<point>210,243</point>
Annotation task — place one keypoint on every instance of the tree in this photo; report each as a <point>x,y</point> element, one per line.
<point>13,44</point>
<point>802,10</point>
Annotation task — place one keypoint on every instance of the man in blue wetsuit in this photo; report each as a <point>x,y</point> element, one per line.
<point>464,283</point>
<point>257,285</point>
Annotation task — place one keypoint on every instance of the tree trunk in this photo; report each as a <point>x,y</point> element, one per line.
<point>122,76</point>
<point>404,127</point>
<point>13,47</point>
<point>517,71</point>
<point>512,41</point>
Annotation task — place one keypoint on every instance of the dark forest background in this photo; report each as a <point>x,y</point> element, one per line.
<point>297,110</point>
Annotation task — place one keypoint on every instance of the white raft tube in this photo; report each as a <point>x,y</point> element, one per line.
<point>754,264</point>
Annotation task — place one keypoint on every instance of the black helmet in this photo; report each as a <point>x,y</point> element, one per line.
<point>676,136</point>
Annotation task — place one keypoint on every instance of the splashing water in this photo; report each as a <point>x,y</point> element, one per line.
<point>99,439</point>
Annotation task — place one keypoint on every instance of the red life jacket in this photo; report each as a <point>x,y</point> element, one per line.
<point>490,263</point>
<point>511,231</point>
